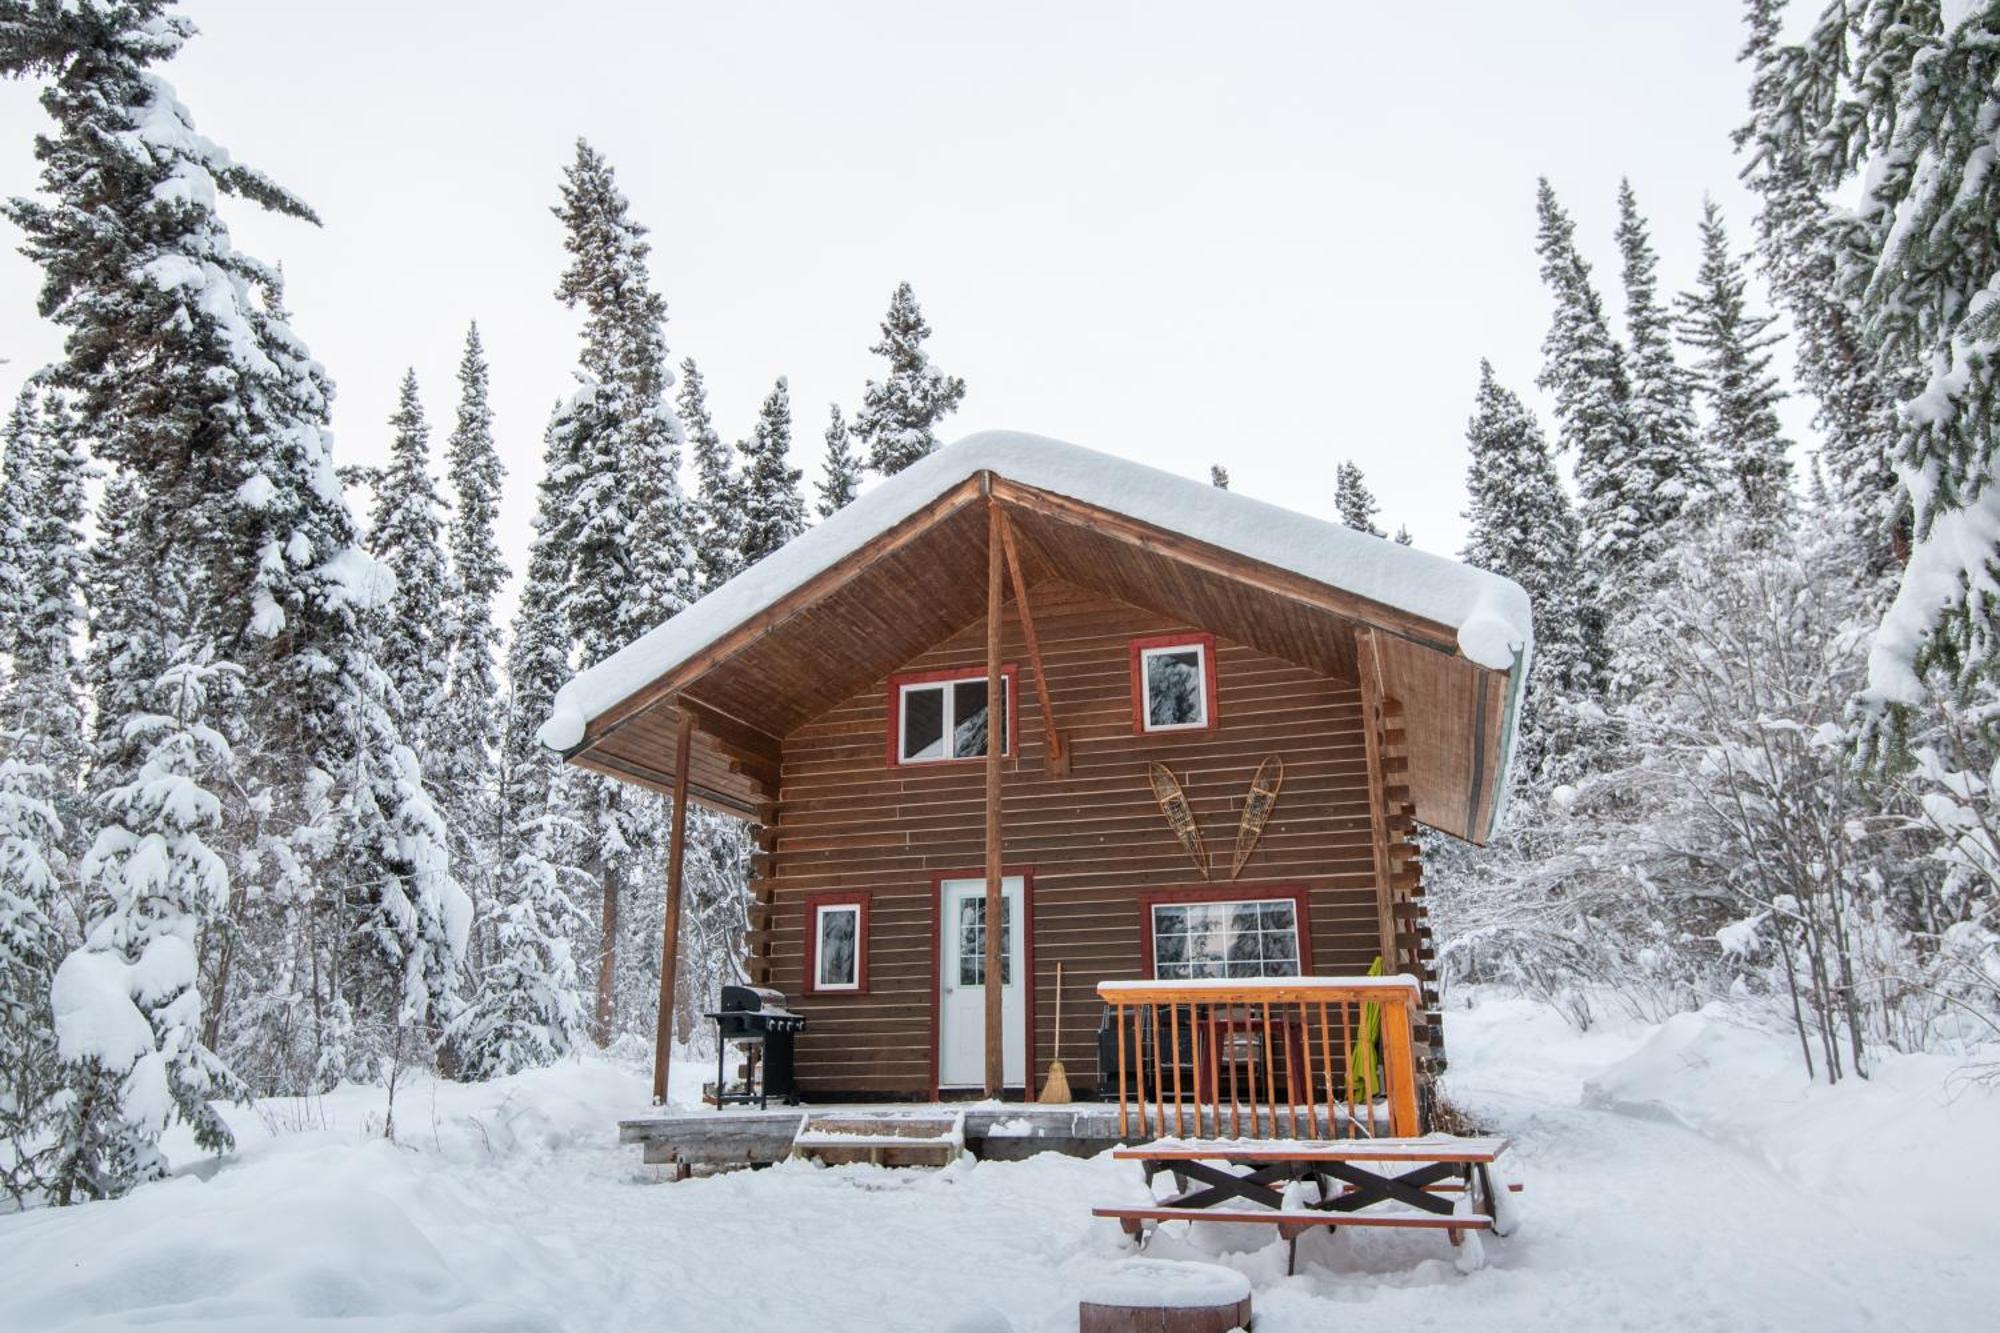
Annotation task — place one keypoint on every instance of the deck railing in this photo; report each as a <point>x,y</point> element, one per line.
<point>1272,1058</point>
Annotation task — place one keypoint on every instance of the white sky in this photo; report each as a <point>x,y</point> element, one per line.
<point>1263,235</point>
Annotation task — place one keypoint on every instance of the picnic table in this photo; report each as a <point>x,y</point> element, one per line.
<point>1437,1181</point>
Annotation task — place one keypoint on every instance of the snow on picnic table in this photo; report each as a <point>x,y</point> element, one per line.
<point>1678,1178</point>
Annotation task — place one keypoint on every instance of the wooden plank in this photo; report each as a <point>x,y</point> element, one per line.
<point>1432,1148</point>
<point>1368,653</point>
<point>1053,756</point>
<point>1307,1217</point>
<point>670,943</point>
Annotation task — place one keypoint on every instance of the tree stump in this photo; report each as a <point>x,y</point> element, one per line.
<point>1166,1296</point>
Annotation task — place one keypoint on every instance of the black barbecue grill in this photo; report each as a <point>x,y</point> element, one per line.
<point>756,1019</point>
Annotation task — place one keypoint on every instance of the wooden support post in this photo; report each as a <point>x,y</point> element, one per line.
<point>996,718</point>
<point>1369,664</point>
<point>670,945</point>
<point>1055,755</point>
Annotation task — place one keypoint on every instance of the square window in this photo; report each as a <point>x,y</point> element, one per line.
<point>1173,683</point>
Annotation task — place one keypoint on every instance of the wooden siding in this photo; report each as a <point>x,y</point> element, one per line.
<point>1094,840</point>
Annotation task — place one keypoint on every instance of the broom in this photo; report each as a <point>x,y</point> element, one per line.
<point>1056,1088</point>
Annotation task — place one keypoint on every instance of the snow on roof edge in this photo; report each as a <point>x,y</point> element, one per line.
<point>1488,612</point>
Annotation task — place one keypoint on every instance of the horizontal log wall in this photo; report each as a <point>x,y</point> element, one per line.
<point>1094,840</point>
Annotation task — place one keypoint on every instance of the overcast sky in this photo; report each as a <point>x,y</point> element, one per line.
<point>1262,235</point>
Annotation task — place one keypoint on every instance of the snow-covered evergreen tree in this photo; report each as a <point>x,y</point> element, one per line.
<point>1520,524</point>
<point>719,549</point>
<point>1895,105</point>
<point>189,378</point>
<point>1583,369</point>
<point>773,510</point>
<point>626,532</point>
<point>1218,476</point>
<point>465,739</point>
<point>127,1002</point>
<point>1353,501</point>
<point>897,423</point>
<point>1733,369</point>
<point>527,1012</point>
<point>1855,411</point>
<point>1403,537</point>
<point>405,535</point>
<point>1663,413</point>
<point>840,469</point>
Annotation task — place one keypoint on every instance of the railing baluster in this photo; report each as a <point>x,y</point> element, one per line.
<point>1195,1021</point>
<point>1159,1084</point>
<point>1118,1010</point>
<point>1174,1017</point>
<point>1347,1064</point>
<point>1229,1039</point>
<point>1270,1071</point>
<point>1326,1068</point>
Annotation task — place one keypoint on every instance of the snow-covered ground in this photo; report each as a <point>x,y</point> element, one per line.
<point>1682,1177</point>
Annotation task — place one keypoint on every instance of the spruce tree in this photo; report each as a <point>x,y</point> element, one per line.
<point>127,1002</point>
<point>1403,537</point>
<point>1670,443</point>
<point>1624,510</point>
<point>897,424</point>
<point>1218,476</point>
<point>773,511</point>
<point>41,764</point>
<point>1895,105</point>
<point>408,518</point>
<point>719,547</point>
<point>1733,370</point>
<point>1855,396</point>
<point>188,375</point>
<point>626,533</point>
<point>1353,501</point>
<point>840,470</point>
<point>1520,523</point>
<point>466,738</point>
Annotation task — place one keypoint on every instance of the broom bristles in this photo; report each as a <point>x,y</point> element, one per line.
<point>1056,1089</point>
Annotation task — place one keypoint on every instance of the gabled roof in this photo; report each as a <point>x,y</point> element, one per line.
<point>904,566</point>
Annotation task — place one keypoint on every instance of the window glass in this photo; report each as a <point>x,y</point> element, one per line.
<point>947,720</point>
<point>1242,939</point>
<point>923,722</point>
<point>1174,687</point>
<point>839,929</point>
<point>972,941</point>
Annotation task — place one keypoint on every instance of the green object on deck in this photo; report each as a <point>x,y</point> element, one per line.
<point>1369,1071</point>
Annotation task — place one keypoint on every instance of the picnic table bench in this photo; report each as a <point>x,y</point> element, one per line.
<point>1444,1183</point>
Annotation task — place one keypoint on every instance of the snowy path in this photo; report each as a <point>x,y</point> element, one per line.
<point>528,1217</point>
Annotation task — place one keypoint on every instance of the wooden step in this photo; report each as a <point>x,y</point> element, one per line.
<point>1302,1217</point>
<point>887,1138</point>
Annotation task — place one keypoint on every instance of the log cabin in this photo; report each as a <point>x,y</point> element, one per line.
<point>840,695</point>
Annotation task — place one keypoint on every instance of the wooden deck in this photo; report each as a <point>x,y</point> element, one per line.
<point>746,1136</point>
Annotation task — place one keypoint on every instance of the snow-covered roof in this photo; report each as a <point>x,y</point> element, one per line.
<point>1487,613</point>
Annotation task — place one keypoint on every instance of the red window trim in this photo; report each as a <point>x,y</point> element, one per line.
<point>893,746</point>
<point>1027,877</point>
<point>850,898</point>
<point>1138,651</point>
<point>1300,896</point>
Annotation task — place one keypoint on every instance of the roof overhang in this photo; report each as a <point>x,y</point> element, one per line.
<point>878,583</point>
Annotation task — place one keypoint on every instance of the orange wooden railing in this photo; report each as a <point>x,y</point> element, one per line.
<point>1275,1058</point>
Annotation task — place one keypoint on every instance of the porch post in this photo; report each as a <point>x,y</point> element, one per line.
<point>1368,664</point>
<point>670,945</point>
<point>996,718</point>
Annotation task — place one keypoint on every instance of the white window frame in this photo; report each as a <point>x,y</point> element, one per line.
<point>1225,905</point>
<point>820,913</point>
<point>949,689</point>
<point>1146,656</point>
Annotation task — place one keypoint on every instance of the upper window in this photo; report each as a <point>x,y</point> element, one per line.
<point>1243,938</point>
<point>942,716</point>
<point>837,942</point>
<point>1173,683</point>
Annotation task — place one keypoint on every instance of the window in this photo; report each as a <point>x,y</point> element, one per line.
<point>1195,936</point>
<point>1173,683</point>
<point>972,941</point>
<point>836,942</point>
<point>942,716</point>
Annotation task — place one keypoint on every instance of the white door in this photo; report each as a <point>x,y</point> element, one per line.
<point>962,989</point>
